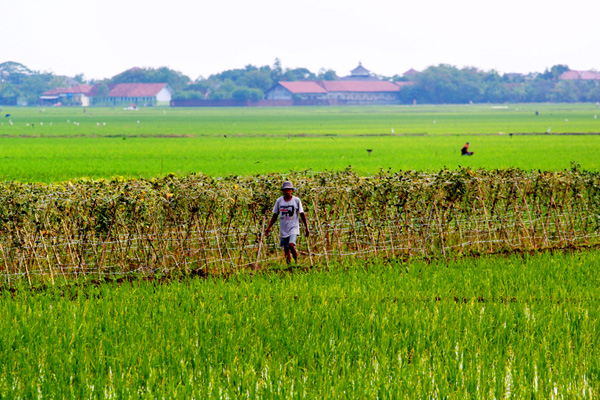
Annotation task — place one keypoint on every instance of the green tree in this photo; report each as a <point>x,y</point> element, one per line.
<point>244,93</point>
<point>554,72</point>
<point>538,90</point>
<point>34,85</point>
<point>256,79</point>
<point>79,78</point>
<point>448,84</point>
<point>176,80</point>
<point>327,75</point>
<point>298,74</point>
<point>223,90</point>
<point>102,90</point>
<point>8,94</point>
<point>13,72</point>
<point>276,71</point>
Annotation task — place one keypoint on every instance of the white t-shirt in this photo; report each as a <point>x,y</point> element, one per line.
<point>288,211</point>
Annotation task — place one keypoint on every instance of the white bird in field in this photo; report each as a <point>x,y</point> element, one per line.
<point>595,116</point>
<point>434,121</point>
<point>392,130</point>
<point>138,121</point>
<point>50,123</point>
<point>549,129</point>
<point>566,120</point>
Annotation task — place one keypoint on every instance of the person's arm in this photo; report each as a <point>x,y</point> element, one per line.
<point>273,219</point>
<point>303,218</point>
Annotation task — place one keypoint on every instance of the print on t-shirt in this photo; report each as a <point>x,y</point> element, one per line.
<point>287,211</point>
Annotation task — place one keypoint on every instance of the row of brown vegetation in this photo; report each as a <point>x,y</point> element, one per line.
<point>201,225</point>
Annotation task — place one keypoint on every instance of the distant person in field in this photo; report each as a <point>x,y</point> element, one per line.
<point>465,150</point>
<point>289,210</point>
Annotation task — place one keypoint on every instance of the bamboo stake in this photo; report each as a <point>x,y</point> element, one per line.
<point>262,230</point>
<point>4,258</point>
<point>440,229</point>
<point>75,261</point>
<point>485,213</point>
<point>37,261</point>
<point>219,246</point>
<point>320,227</point>
<point>104,245</point>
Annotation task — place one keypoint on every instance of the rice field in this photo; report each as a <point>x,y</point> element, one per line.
<point>219,142</point>
<point>131,263</point>
<point>495,327</point>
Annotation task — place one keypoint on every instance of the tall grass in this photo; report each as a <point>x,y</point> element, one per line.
<point>495,327</point>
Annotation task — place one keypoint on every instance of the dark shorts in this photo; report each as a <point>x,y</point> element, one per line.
<point>285,241</point>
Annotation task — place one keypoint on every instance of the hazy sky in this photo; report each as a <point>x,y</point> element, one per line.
<point>103,38</point>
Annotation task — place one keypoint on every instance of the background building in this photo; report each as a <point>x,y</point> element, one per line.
<point>129,94</point>
<point>359,88</point>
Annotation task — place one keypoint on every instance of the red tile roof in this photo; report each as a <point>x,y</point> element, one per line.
<point>359,86</point>
<point>576,75</point>
<point>404,83</point>
<point>77,89</point>
<point>323,87</point>
<point>136,89</point>
<point>303,87</point>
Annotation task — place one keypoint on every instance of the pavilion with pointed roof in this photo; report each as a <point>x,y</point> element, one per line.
<point>359,73</point>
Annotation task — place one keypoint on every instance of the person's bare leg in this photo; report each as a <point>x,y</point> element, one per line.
<point>294,252</point>
<point>286,250</point>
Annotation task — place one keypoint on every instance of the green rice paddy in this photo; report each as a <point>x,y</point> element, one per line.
<point>243,141</point>
<point>504,326</point>
<point>495,327</point>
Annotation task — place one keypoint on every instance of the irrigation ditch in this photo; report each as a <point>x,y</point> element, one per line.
<point>198,225</point>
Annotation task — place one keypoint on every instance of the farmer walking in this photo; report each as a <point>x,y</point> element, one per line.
<point>289,210</point>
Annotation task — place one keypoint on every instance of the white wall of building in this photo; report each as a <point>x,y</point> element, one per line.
<point>164,96</point>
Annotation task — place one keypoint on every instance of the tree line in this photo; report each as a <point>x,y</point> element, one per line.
<point>441,84</point>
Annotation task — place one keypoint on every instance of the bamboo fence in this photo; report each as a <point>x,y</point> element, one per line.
<point>198,224</point>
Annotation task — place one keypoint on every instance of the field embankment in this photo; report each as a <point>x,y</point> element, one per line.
<point>202,225</point>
